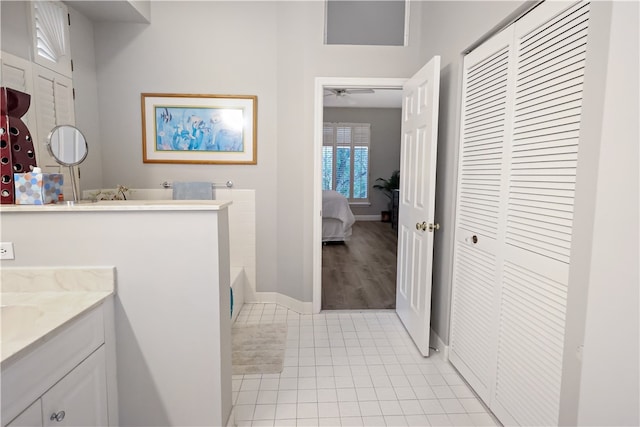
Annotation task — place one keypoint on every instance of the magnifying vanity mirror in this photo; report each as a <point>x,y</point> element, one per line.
<point>68,147</point>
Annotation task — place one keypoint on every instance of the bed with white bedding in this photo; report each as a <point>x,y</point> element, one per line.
<point>337,218</point>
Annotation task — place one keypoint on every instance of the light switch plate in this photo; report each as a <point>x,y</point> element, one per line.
<point>6,250</point>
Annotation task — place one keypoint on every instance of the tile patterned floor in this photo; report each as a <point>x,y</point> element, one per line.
<point>355,368</point>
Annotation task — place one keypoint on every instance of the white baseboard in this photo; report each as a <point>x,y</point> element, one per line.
<point>281,299</point>
<point>436,342</point>
<point>367,217</point>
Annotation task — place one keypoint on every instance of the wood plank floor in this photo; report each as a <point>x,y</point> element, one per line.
<point>361,274</point>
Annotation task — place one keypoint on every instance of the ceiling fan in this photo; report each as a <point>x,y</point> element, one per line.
<point>339,92</point>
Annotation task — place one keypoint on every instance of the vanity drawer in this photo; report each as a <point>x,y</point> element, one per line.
<point>28,377</point>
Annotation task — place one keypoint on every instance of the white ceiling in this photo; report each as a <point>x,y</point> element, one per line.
<point>108,10</point>
<point>381,98</point>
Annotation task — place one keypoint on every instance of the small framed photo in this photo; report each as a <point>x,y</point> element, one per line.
<point>217,129</point>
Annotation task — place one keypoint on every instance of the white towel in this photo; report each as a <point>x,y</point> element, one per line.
<point>192,191</point>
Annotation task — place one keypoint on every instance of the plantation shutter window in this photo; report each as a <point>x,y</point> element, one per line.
<point>17,74</point>
<point>50,29</point>
<point>345,159</point>
<point>53,102</point>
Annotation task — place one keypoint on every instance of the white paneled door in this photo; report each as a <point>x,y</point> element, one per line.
<point>416,210</point>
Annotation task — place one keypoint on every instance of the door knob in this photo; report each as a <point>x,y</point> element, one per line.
<point>433,227</point>
<point>57,416</point>
<point>421,226</point>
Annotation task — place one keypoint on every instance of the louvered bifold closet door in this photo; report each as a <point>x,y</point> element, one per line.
<point>487,88</point>
<point>551,47</point>
<point>521,113</point>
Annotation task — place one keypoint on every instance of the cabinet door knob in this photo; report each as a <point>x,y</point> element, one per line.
<point>58,416</point>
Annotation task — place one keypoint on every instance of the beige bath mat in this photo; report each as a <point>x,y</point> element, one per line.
<point>258,349</point>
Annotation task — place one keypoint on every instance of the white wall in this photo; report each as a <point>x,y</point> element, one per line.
<point>143,7</point>
<point>386,124</point>
<point>302,58</point>
<point>192,47</point>
<point>16,37</point>
<point>86,91</point>
<point>270,49</point>
<point>172,320</point>
<point>448,29</point>
<point>609,389</point>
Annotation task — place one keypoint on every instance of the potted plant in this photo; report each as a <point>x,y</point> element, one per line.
<point>387,186</point>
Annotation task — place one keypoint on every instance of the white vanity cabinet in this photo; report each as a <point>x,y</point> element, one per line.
<point>80,398</point>
<point>62,381</point>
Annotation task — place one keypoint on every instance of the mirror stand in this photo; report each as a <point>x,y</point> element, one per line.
<point>74,185</point>
<point>68,147</point>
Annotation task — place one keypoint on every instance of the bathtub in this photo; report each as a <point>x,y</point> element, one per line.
<point>237,289</point>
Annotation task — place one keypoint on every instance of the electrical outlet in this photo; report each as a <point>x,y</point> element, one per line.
<point>6,250</point>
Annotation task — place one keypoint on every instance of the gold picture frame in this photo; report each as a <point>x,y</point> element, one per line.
<point>199,129</point>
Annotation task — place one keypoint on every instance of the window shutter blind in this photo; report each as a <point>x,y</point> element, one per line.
<point>63,94</point>
<point>345,157</point>
<point>327,167</point>
<point>51,36</point>
<point>360,172</point>
<point>17,74</point>
<point>328,137</point>
<point>53,96</point>
<point>343,135</point>
<point>361,133</point>
<point>45,86</point>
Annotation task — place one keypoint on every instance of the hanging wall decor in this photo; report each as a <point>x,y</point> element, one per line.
<point>218,129</point>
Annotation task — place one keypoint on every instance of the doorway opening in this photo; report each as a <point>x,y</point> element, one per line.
<point>370,239</point>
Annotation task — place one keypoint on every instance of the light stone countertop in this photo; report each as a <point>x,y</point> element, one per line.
<point>122,205</point>
<point>36,302</point>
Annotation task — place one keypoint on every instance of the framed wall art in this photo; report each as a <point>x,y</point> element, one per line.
<point>217,129</point>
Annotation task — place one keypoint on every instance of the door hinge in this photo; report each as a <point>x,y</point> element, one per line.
<point>73,93</point>
<point>69,18</point>
<point>72,65</point>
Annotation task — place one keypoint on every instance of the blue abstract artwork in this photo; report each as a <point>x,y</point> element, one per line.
<point>199,129</point>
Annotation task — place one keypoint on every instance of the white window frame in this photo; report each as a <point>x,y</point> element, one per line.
<point>352,145</point>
